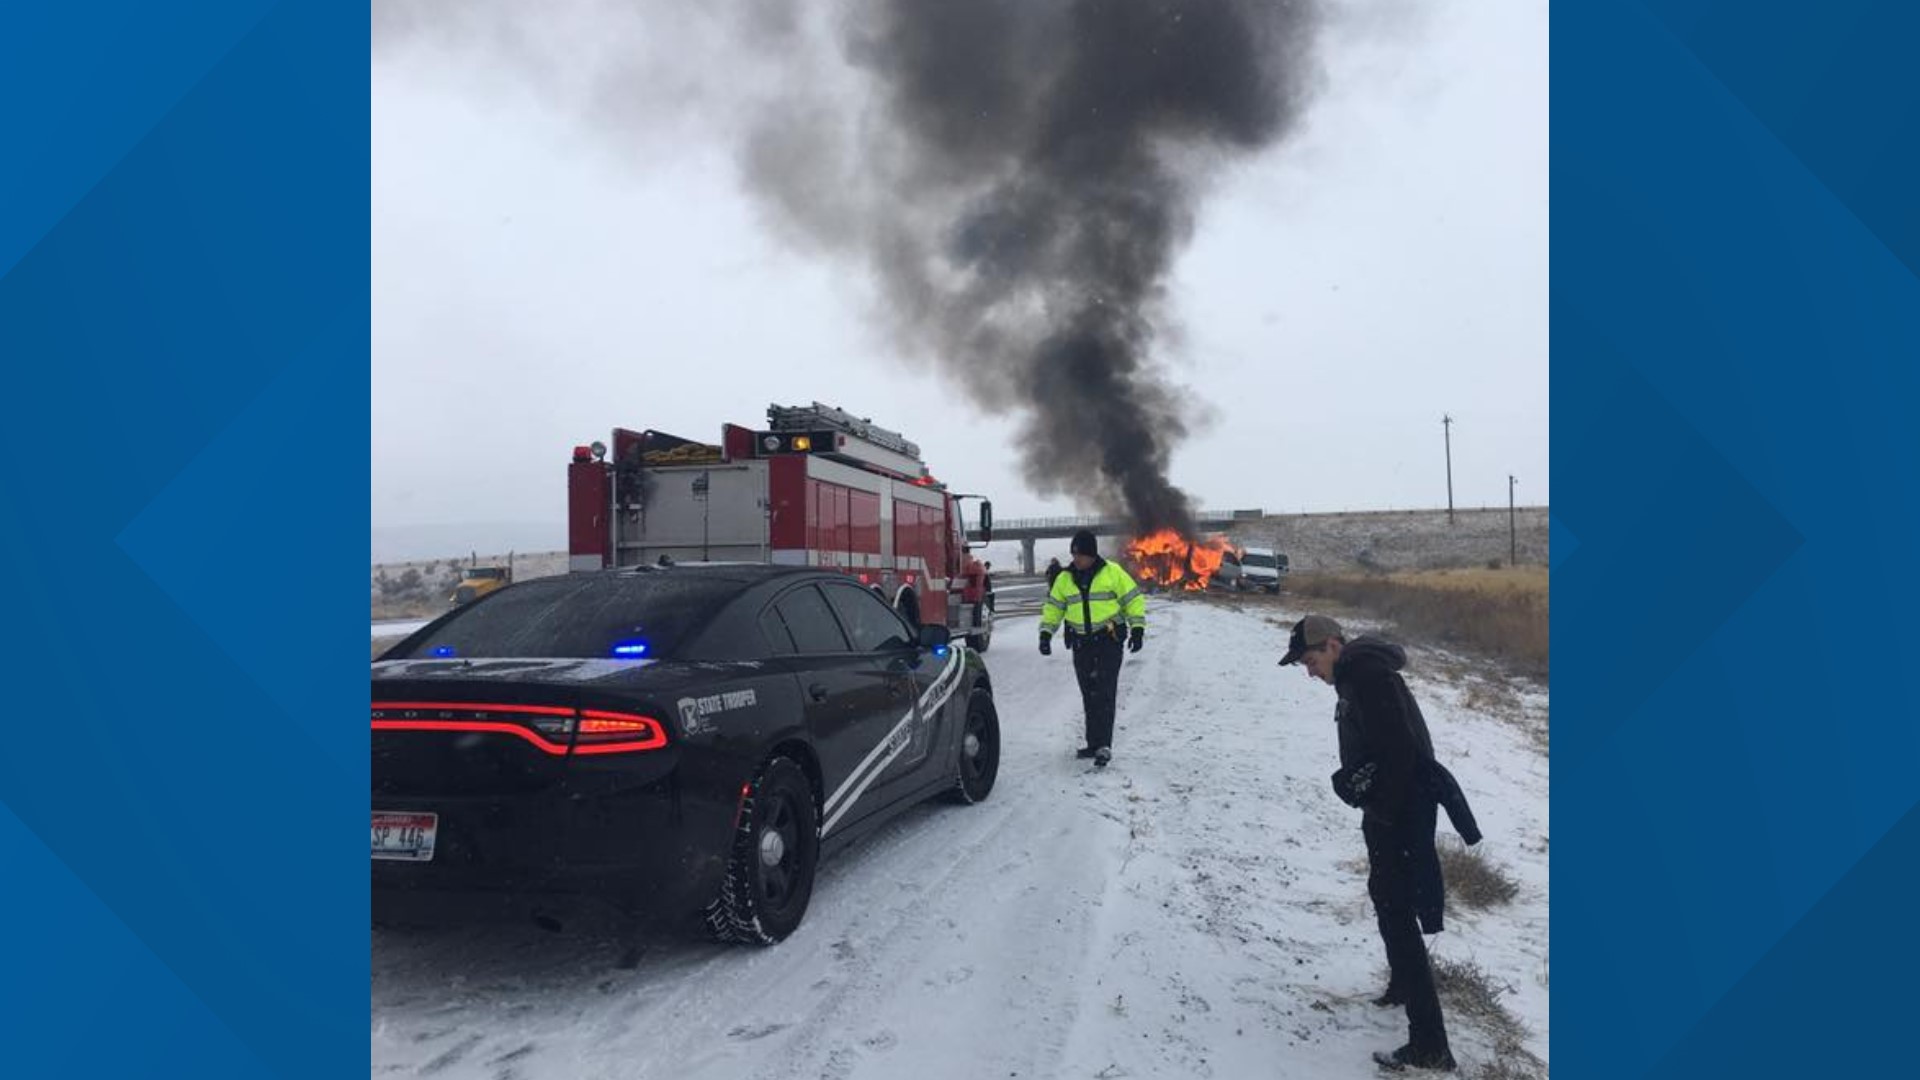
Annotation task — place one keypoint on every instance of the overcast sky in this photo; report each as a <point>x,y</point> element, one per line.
<point>535,285</point>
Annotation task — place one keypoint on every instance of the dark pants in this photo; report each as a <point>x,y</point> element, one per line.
<point>1390,884</point>
<point>1096,661</point>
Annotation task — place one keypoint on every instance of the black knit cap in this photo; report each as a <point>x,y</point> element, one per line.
<point>1084,543</point>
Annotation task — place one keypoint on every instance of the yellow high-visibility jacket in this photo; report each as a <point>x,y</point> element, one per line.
<point>1111,601</point>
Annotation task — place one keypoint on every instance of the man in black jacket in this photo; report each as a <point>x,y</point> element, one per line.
<point>1387,769</point>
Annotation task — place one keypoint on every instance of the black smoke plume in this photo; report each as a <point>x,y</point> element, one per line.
<point>1018,178</point>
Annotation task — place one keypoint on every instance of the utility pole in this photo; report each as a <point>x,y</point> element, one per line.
<point>1446,423</point>
<point>700,487</point>
<point>1513,535</point>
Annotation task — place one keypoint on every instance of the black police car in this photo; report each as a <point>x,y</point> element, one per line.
<point>683,740</point>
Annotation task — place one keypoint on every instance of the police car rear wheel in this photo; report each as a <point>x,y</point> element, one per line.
<point>775,850</point>
<point>979,750</point>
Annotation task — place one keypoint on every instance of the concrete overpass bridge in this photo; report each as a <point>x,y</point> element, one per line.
<point>1028,530</point>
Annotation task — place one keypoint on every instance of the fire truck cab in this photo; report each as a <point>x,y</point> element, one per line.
<point>815,487</point>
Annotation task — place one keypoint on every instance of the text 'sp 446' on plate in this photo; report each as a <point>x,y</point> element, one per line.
<point>404,836</point>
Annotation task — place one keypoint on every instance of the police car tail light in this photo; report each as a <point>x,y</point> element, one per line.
<point>548,728</point>
<point>617,733</point>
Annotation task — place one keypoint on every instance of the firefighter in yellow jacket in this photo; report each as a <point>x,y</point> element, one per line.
<point>1103,610</point>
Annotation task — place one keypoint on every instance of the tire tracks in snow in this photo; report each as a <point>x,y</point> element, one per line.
<point>930,902</point>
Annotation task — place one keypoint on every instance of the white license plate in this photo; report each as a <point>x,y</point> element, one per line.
<point>408,837</point>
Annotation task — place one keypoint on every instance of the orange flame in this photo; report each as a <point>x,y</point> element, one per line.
<point>1167,558</point>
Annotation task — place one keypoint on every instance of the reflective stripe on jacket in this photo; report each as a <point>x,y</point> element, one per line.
<point>1111,598</point>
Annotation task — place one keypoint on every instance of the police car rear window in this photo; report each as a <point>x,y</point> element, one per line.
<point>640,616</point>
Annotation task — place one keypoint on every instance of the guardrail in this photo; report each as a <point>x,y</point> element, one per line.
<point>1111,525</point>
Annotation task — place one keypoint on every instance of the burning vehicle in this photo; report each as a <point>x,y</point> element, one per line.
<point>1165,560</point>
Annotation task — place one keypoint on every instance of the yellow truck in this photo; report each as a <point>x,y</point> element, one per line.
<point>478,581</point>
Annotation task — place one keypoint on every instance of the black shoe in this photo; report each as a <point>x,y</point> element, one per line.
<point>1390,998</point>
<point>1101,757</point>
<point>1408,1058</point>
<point>1084,752</point>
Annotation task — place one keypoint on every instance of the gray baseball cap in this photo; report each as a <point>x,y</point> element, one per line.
<point>1310,632</point>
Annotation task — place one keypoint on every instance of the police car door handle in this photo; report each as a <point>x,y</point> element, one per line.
<point>817,692</point>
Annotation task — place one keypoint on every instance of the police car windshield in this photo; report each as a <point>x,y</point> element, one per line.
<point>1257,560</point>
<point>606,616</point>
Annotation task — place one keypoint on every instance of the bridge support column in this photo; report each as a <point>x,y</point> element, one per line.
<point>1026,556</point>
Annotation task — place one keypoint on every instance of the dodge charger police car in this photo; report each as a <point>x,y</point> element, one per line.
<point>680,741</point>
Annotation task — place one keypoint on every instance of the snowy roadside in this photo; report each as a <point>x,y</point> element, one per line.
<point>1198,909</point>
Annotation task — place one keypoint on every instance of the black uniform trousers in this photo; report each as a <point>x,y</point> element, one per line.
<point>1096,662</point>
<point>1390,884</point>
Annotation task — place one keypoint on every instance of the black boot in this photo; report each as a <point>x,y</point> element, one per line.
<point>1101,757</point>
<point>1084,752</point>
<point>1390,998</point>
<point>1408,1058</point>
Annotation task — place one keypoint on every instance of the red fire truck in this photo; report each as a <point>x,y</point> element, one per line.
<point>815,487</point>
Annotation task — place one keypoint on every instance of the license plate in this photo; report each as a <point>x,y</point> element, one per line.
<point>407,837</point>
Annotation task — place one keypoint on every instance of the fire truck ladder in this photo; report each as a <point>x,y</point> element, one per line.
<point>818,417</point>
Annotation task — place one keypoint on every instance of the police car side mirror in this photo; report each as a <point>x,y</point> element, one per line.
<point>934,636</point>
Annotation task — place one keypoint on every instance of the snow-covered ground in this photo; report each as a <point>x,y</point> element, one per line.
<point>399,628</point>
<point>1196,910</point>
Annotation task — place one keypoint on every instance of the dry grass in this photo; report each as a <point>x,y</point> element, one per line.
<point>1470,993</point>
<point>1515,1065</point>
<point>1490,698</point>
<point>1473,880</point>
<point>1497,613</point>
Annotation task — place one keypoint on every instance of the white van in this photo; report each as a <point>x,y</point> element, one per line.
<point>1262,568</point>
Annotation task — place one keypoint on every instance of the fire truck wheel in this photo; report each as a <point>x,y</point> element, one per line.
<point>977,638</point>
<point>979,754</point>
<point>775,849</point>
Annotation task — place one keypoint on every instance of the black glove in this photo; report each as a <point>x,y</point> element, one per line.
<point>1135,638</point>
<point>1353,785</point>
<point>1046,644</point>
